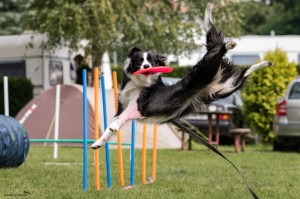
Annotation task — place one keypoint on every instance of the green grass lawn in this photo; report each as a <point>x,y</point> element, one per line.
<point>180,174</point>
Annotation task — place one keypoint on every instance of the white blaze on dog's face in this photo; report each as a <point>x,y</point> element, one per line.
<point>136,60</point>
<point>146,64</point>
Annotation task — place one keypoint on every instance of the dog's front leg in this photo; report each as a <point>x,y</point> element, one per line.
<point>131,112</point>
<point>103,139</point>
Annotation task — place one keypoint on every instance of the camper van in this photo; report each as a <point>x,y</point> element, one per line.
<point>25,56</point>
<point>249,49</point>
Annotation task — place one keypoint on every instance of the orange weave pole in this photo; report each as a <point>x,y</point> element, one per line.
<point>96,130</point>
<point>144,154</point>
<point>120,156</point>
<point>154,153</point>
<point>115,85</point>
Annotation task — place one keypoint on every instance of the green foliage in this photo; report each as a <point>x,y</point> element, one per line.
<point>263,90</point>
<point>178,72</point>
<point>298,68</point>
<point>114,24</point>
<point>281,16</point>
<point>20,93</point>
<point>11,14</point>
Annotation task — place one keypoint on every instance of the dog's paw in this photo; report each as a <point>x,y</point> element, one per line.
<point>270,63</point>
<point>94,146</point>
<point>103,139</point>
<point>267,63</point>
<point>230,45</point>
<point>98,144</point>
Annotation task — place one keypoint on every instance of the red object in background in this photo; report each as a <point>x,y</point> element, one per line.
<point>281,108</point>
<point>224,117</point>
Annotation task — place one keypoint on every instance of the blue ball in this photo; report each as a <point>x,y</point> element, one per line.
<point>14,142</point>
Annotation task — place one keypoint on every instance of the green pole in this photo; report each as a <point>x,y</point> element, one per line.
<point>72,141</point>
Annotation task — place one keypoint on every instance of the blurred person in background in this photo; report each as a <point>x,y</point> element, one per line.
<point>80,65</point>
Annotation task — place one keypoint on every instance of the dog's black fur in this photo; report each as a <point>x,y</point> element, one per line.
<point>150,100</point>
<point>164,100</point>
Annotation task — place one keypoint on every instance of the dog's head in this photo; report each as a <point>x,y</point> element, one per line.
<point>138,59</point>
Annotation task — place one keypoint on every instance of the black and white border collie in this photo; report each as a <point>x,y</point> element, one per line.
<point>145,98</point>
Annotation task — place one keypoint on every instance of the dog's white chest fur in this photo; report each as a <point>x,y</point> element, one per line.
<point>130,93</point>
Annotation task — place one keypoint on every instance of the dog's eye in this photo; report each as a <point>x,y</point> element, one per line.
<point>150,59</point>
<point>139,61</point>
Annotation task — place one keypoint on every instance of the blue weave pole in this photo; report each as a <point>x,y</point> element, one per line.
<point>107,153</point>
<point>85,121</point>
<point>132,153</point>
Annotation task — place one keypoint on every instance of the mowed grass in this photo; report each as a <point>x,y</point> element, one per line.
<point>180,174</point>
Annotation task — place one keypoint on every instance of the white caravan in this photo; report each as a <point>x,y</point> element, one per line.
<point>249,49</point>
<point>25,56</point>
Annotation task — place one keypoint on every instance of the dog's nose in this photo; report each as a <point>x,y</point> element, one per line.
<point>146,66</point>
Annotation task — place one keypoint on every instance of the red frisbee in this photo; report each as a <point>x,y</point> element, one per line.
<point>156,69</point>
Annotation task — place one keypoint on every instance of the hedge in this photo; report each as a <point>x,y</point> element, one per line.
<point>263,90</point>
<point>20,93</point>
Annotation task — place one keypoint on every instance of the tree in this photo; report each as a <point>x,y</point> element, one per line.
<point>281,16</point>
<point>11,13</point>
<point>166,26</point>
<point>263,89</point>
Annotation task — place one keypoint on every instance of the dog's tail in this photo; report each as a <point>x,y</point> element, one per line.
<point>213,36</point>
<point>208,19</point>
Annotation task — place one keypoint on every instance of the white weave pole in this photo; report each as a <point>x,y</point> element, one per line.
<point>6,103</point>
<point>56,127</point>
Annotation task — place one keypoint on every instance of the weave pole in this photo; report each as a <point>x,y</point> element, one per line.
<point>107,153</point>
<point>144,154</point>
<point>132,153</point>
<point>96,128</point>
<point>120,155</point>
<point>85,154</point>
<point>6,96</point>
<point>56,125</point>
<point>154,153</point>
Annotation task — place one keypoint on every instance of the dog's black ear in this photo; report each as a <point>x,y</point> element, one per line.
<point>161,59</point>
<point>133,50</point>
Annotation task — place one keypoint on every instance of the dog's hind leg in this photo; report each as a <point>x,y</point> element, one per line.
<point>233,84</point>
<point>131,112</point>
<point>256,67</point>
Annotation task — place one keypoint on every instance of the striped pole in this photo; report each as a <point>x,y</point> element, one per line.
<point>28,113</point>
<point>96,129</point>
<point>132,153</point>
<point>85,154</point>
<point>120,155</point>
<point>144,154</point>
<point>107,154</point>
<point>154,154</point>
